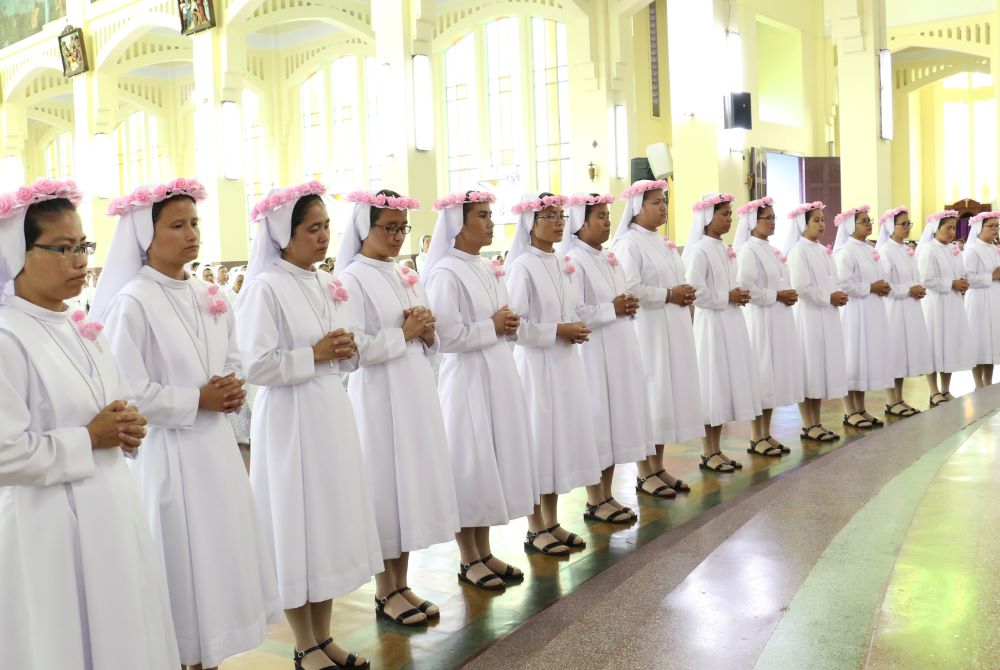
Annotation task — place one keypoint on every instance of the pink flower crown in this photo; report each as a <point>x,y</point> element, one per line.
<point>402,203</point>
<point>807,207</point>
<point>283,196</point>
<point>984,215</point>
<point>766,201</point>
<point>146,196</point>
<point>945,214</point>
<point>462,198</point>
<point>538,204</point>
<point>40,191</point>
<point>636,189</point>
<point>892,214</point>
<point>590,200</point>
<point>853,212</point>
<point>712,201</point>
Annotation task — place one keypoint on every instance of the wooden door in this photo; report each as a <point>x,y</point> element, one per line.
<point>821,181</point>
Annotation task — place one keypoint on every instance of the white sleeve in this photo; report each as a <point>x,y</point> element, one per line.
<point>529,333</point>
<point>378,347</point>
<point>631,259</point>
<point>978,276</point>
<point>849,275</point>
<point>930,275</point>
<point>801,279</point>
<point>748,276</point>
<point>454,335</point>
<point>697,267</point>
<point>265,362</point>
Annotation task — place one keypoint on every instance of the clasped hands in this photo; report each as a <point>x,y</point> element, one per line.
<point>880,288</point>
<point>222,394</point>
<point>117,425</point>
<point>626,304</point>
<point>506,322</point>
<point>419,322</point>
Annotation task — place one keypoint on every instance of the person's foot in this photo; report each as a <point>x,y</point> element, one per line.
<point>717,463</point>
<point>774,443</point>
<point>480,576</point>
<point>314,660</point>
<point>571,540</point>
<point>504,570</point>
<point>948,395</point>
<point>736,464</point>
<point>608,513</point>
<point>425,606</point>
<point>834,435</point>
<point>617,505</point>
<point>655,486</point>
<point>545,542</point>
<point>673,482</point>
<point>397,604</point>
<point>342,657</point>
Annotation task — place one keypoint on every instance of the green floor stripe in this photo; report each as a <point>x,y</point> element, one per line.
<point>829,621</point>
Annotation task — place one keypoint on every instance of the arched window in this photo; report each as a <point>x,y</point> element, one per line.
<point>59,157</point>
<point>550,70</point>
<point>504,80</point>
<point>373,148</point>
<point>346,128</point>
<point>313,104</point>
<point>969,123</point>
<point>138,141</point>
<point>461,113</point>
<point>258,177</point>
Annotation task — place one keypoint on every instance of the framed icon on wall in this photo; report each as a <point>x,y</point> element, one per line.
<point>196,15</point>
<point>73,52</point>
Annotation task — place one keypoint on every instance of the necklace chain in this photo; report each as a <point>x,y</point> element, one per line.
<point>76,366</point>
<point>200,328</point>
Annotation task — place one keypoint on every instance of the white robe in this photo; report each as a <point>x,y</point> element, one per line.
<point>482,401</point>
<point>944,312</point>
<point>394,393</point>
<point>552,373</point>
<point>666,336</point>
<point>81,581</point>
<point>771,324</point>
<point>909,350</point>
<point>191,476</point>
<point>982,301</point>
<point>863,319</point>
<point>307,470</point>
<point>727,371</point>
<point>814,277</point>
<point>611,359</point>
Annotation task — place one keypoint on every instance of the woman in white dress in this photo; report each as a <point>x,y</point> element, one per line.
<point>485,416</point>
<point>943,274</point>
<point>814,278</point>
<point>550,367</point>
<point>654,273</point>
<point>982,302</point>
<point>611,358</point>
<point>174,338</point>
<point>81,581</point>
<point>909,351</point>
<point>763,271</point>
<point>208,273</point>
<point>395,399</point>
<point>864,319</point>
<point>308,471</point>
<point>727,373</point>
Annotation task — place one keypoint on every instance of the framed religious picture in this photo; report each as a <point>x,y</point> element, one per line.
<point>73,52</point>
<point>196,15</point>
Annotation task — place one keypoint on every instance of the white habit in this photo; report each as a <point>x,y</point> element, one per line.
<point>909,352</point>
<point>863,319</point>
<point>982,301</point>
<point>395,398</point>
<point>947,324</point>
<point>770,324</point>
<point>611,359</point>
<point>814,277</point>
<point>552,372</point>
<point>482,401</point>
<point>666,336</point>
<point>727,372</point>
<point>81,581</point>
<point>191,476</point>
<point>307,469</point>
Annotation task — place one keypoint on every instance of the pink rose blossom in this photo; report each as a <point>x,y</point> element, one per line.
<point>6,204</point>
<point>668,243</point>
<point>213,289</point>
<point>955,250</point>
<point>141,195</point>
<point>730,252</point>
<point>876,257</point>
<point>910,250</point>
<point>612,259</point>
<point>217,306</point>
<point>829,250</point>
<point>87,329</point>
<point>568,268</point>
<point>497,269</point>
<point>24,195</point>
<point>159,192</point>
<point>78,316</point>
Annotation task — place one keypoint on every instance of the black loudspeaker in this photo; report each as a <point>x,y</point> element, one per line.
<point>641,170</point>
<point>738,110</point>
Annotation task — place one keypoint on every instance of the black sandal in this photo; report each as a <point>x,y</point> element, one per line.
<point>824,435</point>
<point>380,612</point>
<point>352,658</point>
<point>571,539</point>
<point>509,575</point>
<point>627,510</point>
<point>591,515</point>
<point>771,450</point>
<point>863,424</point>
<point>529,545</point>
<point>297,656</point>
<point>482,582</point>
<point>943,399</point>
<point>717,468</point>
<point>890,410</point>
<point>779,445</point>
<point>665,492</point>
<point>424,606</point>
<point>678,485</point>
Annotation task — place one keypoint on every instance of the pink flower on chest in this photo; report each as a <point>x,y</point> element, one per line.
<point>612,259</point>
<point>408,277</point>
<point>337,291</point>
<point>911,251</point>
<point>568,266</point>
<point>955,250</point>
<point>497,269</point>
<point>87,329</point>
<point>781,257</point>
<point>829,250</point>
<point>668,243</point>
<point>731,253</point>
<point>876,256</point>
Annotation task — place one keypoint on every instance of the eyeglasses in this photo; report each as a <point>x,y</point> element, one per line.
<point>766,218</point>
<point>392,231</point>
<point>67,250</point>
<point>905,224</point>
<point>551,217</point>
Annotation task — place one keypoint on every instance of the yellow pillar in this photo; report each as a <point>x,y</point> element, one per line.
<point>695,99</point>
<point>14,134</point>
<point>859,32</point>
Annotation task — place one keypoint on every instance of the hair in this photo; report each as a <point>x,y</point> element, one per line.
<point>302,205</point>
<point>589,208</point>
<point>43,212</point>
<point>466,207</point>
<point>158,206</point>
<point>376,212</point>
<point>720,205</point>
<point>544,194</point>
<point>810,213</point>
<point>895,219</point>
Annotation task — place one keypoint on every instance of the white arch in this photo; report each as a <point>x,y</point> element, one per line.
<point>478,12</point>
<point>136,26</point>
<point>31,69</point>
<point>241,17</point>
